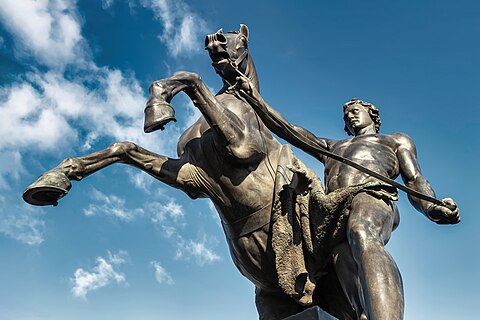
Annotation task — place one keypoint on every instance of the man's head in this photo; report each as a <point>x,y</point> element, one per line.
<point>355,118</point>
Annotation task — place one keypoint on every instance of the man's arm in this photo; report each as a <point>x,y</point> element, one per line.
<point>275,122</point>
<point>413,178</point>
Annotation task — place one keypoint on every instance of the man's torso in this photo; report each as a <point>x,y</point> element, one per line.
<point>377,152</point>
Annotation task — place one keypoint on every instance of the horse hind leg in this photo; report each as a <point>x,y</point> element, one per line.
<point>55,183</point>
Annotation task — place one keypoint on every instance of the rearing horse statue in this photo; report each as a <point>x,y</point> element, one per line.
<point>229,156</point>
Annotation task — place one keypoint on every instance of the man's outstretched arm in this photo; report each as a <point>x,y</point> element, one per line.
<point>413,178</point>
<point>275,122</point>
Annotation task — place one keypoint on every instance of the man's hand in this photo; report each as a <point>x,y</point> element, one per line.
<point>247,89</point>
<point>244,84</point>
<point>448,214</point>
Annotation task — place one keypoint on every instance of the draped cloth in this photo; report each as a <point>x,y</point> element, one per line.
<point>307,223</point>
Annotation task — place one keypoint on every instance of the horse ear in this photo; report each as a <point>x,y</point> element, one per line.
<point>244,30</point>
<point>219,30</point>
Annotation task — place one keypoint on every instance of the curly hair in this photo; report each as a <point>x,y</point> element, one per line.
<point>373,112</point>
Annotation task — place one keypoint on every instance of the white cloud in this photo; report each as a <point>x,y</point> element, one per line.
<point>169,231</point>
<point>107,4</point>
<point>118,258</point>
<point>183,30</point>
<point>171,210</point>
<point>89,140</point>
<point>198,250</point>
<point>161,275</point>
<point>111,206</point>
<point>47,30</point>
<point>24,108</point>
<point>21,222</point>
<point>10,165</point>
<point>141,180</point>
<point>163,214</point>
<point>169,217</point>
<point>101,275</point>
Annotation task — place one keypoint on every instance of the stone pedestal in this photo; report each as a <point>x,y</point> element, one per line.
<point>313,313</point>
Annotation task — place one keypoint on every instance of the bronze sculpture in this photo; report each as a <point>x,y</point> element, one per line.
<point>281,226</point>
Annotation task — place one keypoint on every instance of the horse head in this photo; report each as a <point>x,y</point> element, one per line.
<point>230,55</point>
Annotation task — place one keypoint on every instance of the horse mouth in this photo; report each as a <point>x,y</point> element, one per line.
<point>217,57</point>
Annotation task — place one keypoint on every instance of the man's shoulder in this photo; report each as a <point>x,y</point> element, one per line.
<point>400,136</point>
<point>403,140</point>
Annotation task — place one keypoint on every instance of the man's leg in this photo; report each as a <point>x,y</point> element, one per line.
<point>347,273</point>
<point>368,230</point>
<point>331,296</point>
<point>275,305</point>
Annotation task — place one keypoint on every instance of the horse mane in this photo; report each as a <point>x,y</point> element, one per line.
<point>251,71</point>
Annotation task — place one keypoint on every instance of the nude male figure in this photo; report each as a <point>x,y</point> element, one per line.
<point>368,274</point>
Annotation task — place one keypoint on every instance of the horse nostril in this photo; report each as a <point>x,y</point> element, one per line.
<point>212,40</point>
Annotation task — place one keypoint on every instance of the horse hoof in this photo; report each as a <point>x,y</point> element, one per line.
<point>48,189</point>
<point>157,115</point>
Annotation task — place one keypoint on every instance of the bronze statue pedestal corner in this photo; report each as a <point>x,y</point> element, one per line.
<point>313,313</point>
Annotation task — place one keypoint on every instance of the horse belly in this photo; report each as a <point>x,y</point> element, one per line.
<point>253,256</point>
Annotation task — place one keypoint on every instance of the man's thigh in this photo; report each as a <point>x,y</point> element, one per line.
<point>370,217</point>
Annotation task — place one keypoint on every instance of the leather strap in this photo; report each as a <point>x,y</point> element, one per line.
<point>248,224</point>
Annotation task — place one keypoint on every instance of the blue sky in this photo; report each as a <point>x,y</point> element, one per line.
<point>74,78</point>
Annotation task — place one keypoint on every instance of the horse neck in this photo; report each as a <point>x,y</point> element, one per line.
<point>251,73</point>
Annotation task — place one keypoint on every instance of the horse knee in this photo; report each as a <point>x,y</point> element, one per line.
<point>122,148</point>
<point>188,76</point>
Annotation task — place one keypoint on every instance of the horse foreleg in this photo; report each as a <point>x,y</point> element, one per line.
<point>229,127</point>
<point>55,184</point>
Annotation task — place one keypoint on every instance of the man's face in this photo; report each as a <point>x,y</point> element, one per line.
<point>356,118</point>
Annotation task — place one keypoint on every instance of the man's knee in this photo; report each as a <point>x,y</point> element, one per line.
<point>357,233</point>
<point>362,236</point>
